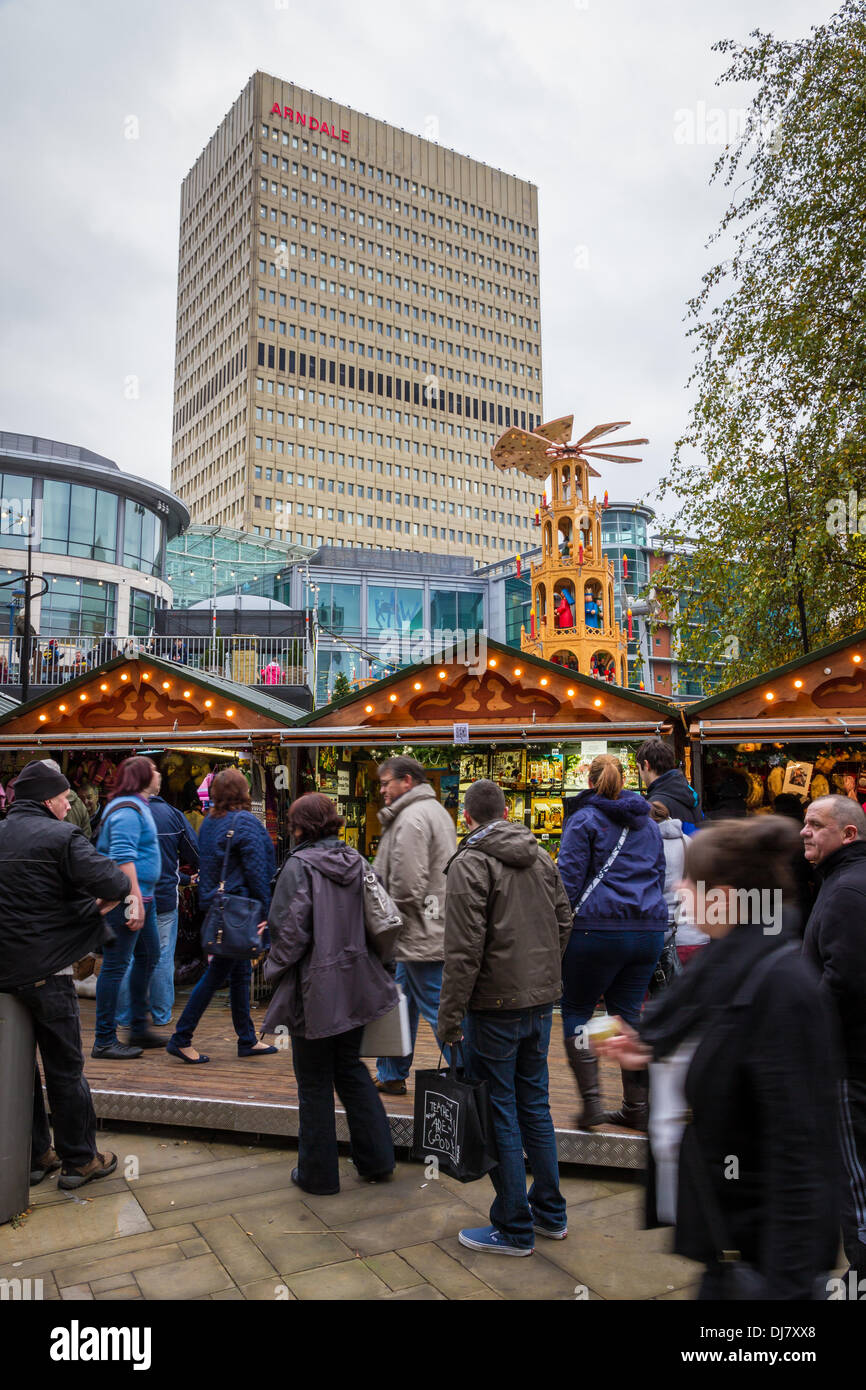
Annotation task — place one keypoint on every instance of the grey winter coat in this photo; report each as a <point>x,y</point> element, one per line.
<point>327,979</point>
<point>418,839</point>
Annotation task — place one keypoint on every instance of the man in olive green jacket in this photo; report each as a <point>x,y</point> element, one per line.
<point>418,839</point>
<point>507,924</point>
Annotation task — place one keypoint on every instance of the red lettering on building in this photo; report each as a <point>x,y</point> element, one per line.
<point>312,122</point>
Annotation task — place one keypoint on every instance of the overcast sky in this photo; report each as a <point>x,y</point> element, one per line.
<point>607,105</point>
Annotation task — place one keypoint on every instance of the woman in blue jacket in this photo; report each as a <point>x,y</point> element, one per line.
<point>128,835</point>
<point>251,867</point>
<point>612,862</point>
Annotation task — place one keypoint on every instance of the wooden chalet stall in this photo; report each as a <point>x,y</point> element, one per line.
<point>531,725</point>
<point>800,728</point>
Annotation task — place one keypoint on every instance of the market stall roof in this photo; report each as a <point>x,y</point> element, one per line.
<point>139,699</point>
<point>499,692</point>
<point>7,703</point>
<point>817,696</point>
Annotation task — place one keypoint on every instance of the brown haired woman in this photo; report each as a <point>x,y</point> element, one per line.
<point>329,984</point>
<point>741,1057</point>
<point>612,862</point>
<point>250,870</point>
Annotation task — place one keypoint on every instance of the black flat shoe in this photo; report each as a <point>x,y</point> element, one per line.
<point>333,1192</point>
<point>116,1052</point>
<point>175,1051</point>
<point>257,1051</point>
<point>377,1177</point>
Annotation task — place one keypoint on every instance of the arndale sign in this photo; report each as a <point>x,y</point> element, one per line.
<point>311,123</point>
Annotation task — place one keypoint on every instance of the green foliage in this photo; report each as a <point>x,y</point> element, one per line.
<point>774,446</point>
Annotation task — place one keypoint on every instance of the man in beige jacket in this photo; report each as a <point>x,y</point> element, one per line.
<point>418,839</point>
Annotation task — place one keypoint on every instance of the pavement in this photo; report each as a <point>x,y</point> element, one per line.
<point>190,1218</point>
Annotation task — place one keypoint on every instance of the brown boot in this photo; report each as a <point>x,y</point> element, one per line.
<point>584,1064</point>
<point>100,1166</point>
<point>41,1168</point>
<point>635,1102</point>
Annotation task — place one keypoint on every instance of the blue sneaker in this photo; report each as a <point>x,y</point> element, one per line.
<point>493,1240</point>
<point>551,1232</point>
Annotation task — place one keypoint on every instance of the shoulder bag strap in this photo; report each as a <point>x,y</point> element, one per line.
<point>229,833</point>
<point>118,806</point>
<point>602,871</point>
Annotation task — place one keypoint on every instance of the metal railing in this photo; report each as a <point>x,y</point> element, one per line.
<point>247,660</point>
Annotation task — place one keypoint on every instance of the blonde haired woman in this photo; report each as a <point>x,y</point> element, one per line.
<point>612,862</point>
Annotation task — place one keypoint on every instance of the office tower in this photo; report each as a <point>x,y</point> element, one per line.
<point>358,321</point>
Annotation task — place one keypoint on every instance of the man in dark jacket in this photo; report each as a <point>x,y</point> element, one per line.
<point>178,846</point>
<point>507,923</point>
<point>54,889</point>
<point>834,838</point>
<point>664,782</point>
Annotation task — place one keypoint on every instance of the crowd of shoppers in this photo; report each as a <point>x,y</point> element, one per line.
<point>754,1052</point>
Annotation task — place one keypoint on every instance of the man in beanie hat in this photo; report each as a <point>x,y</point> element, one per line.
<point>54,889</point>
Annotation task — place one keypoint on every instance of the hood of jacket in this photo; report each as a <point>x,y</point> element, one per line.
<point>671,829</point>
<point>388,814</point>
<point>336,860</point>
<point>504,840</point>
<point>628,809</point>
<point>673,790</point>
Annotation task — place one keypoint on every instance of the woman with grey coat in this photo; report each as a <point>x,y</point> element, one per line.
<point>328,983</point>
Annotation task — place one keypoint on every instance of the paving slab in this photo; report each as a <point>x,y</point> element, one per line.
<point>43,1264</point>
<point>177,1193</point>
<point>77,1292</point>
<point>69,1225</point>
<point>394,1271</point>
<point>230,1206</point>
<point>209,1167</point>
<point>529,1278</point>
<point>612,1267</point>
<point>185,1279</point>
<point>358,1201</point>
<point>396,1230</point>
<point>346,1281</point>
<point>114,1281</point>
<point>421,1293</point>
<point>97,1264</point>
<point>444,1273</point>
<point>236,1251</point>
<point>269,1291</point>
<point>130,1294</point>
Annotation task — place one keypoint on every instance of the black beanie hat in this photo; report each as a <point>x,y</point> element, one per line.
<point>39,782</point>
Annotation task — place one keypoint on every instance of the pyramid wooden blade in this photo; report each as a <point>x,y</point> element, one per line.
<point>602,429</point>
<point>518,449</point>
<point>616,444</point>
<point>557,431</point>
<point>614,458</point>
<point>593,472</point>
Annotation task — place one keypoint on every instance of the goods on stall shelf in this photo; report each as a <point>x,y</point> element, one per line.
<point>764,771</point>
<point>536,780</point>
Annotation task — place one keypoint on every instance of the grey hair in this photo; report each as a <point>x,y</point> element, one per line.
<point>843,811</point>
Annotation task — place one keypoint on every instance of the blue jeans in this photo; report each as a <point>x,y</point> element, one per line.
<point>140,947</point>
<point>421,982</point>
<point>508,1050</point>
<point>616,964</point>
<point>162,979</point>
<point>220,971</point>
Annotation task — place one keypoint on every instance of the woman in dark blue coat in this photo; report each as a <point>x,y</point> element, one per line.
<point>612,862</point>
<point>249,873</point>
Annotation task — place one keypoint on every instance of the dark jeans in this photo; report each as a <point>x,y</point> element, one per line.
<point>508,1050</point>
<point>142,947</point>
<point>321,1065</point>
<point>53,1006</point>
<point>616,964</point>
<point>220,971</point>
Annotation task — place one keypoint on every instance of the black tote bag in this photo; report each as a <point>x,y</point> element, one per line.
<point>453,1123</point>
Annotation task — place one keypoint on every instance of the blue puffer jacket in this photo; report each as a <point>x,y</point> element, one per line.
<point>630,897</point>
<point>251,863</point>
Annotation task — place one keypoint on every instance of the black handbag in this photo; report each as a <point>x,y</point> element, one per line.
<point>453,1123</point>
<point>231,924</point>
